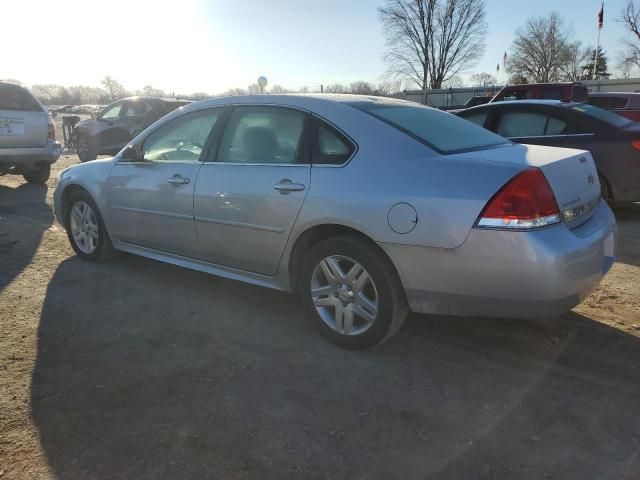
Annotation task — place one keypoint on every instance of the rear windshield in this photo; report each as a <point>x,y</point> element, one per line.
<point>608,102</point>
<point>16,98</point>
<point>444,132</point>
<point>603,115</point>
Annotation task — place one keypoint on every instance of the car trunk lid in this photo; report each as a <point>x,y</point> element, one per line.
<point>571,174</point>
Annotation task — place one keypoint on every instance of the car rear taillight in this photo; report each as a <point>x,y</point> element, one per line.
<point>525,202</point>
<point>636,144</point>
<point>51,132</point>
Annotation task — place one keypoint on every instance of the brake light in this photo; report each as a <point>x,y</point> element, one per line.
<point>524,202</point>
<point>636,144</point>
<point>51,132</point>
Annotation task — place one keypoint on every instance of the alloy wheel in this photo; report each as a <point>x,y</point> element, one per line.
<point>344,295</point>
<point>84,227</point>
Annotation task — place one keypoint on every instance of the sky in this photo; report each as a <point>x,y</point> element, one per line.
<point>188,46</point>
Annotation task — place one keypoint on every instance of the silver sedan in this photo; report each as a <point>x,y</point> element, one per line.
<point>366,207</point>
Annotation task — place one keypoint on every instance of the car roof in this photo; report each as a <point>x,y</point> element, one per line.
<point>306,101</point>
<point>548,103</point>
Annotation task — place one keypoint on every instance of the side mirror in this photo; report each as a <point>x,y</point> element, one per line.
<point>132,153</point>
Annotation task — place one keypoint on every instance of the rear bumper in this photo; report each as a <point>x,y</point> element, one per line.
<point>509,274</point>
<point>25,159</point>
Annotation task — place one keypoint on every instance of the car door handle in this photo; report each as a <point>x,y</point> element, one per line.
<point>285,186</point>
<point>178,180</point>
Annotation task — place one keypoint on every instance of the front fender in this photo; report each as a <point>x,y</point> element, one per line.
<point>92,177</point>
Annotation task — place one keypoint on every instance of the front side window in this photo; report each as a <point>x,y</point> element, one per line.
<point>444,132</point>
<point>181,139</point>
<point>134,109</point>
<point>262,135</point>
<point>477,118</point>
<point>112,111</point>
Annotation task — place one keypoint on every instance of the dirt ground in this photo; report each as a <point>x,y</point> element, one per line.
<point>138,370</point>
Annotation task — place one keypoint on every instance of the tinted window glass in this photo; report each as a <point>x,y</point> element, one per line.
<point>552,93</point>
<point>16,98</point>
<point>555,126</point>
<point>182,139</point>
<point>477,118</point>
<point>520,124</point>
<point>604,115</point>
<point>442,131</point>
<point>331,146</point>
<point>608,102</point>
<point>133,109</point>
<point>111,111</point>
<point>262,135</point>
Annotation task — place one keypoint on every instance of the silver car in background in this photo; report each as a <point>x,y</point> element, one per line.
<point>28,144</point>
<point>367,207</point>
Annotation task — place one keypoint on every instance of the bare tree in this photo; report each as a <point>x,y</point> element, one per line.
<point>114,89</point>
<point>483,79</point>
<point>453,82</point>
<point>276,89</point>
<point>541,49</point>
<point>149,91</point>
<point>431,41</point>
<point>361,88</point>
<point>336,88</point>
<point>575,62</point>
<point>630,16</point>
<point>624,66</point>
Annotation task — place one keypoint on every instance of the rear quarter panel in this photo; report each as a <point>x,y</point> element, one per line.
<point>447,192</point>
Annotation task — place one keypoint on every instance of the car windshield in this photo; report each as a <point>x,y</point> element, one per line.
<point>444,132</point>
<point>604,115</point>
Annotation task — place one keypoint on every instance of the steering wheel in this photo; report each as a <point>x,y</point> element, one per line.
<point>188,143</point>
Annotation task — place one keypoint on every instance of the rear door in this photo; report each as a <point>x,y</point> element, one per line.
<point>23,121</point>
<point>247,201</point>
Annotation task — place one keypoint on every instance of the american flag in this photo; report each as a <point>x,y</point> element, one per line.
<point>601,16</point>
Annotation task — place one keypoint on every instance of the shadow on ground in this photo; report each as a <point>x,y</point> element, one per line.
<point>24,216</point>
<point>148,371</point>
<point>628,219</point>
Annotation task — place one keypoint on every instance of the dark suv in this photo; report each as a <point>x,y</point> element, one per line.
<point>118,123</point>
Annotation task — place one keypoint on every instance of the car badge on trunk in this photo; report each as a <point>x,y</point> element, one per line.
<point>591,179</point>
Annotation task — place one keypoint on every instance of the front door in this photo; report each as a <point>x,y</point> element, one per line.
<point>247,201</point>
<point>151,201</point>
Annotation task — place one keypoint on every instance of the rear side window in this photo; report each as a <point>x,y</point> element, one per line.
<point>16,98</point>
<point>263,135</point>
<point>443,132</point>
<point>330,146</point>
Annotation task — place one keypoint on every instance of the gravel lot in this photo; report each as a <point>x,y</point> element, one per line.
<point>138,370</point>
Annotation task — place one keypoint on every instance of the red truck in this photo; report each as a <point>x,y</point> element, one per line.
<point>569,91</point>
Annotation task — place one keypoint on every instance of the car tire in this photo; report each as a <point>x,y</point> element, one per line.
<point>85,147</point>
<point>354,311</point>
<point>38,176</point>
<point>86,230</point>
